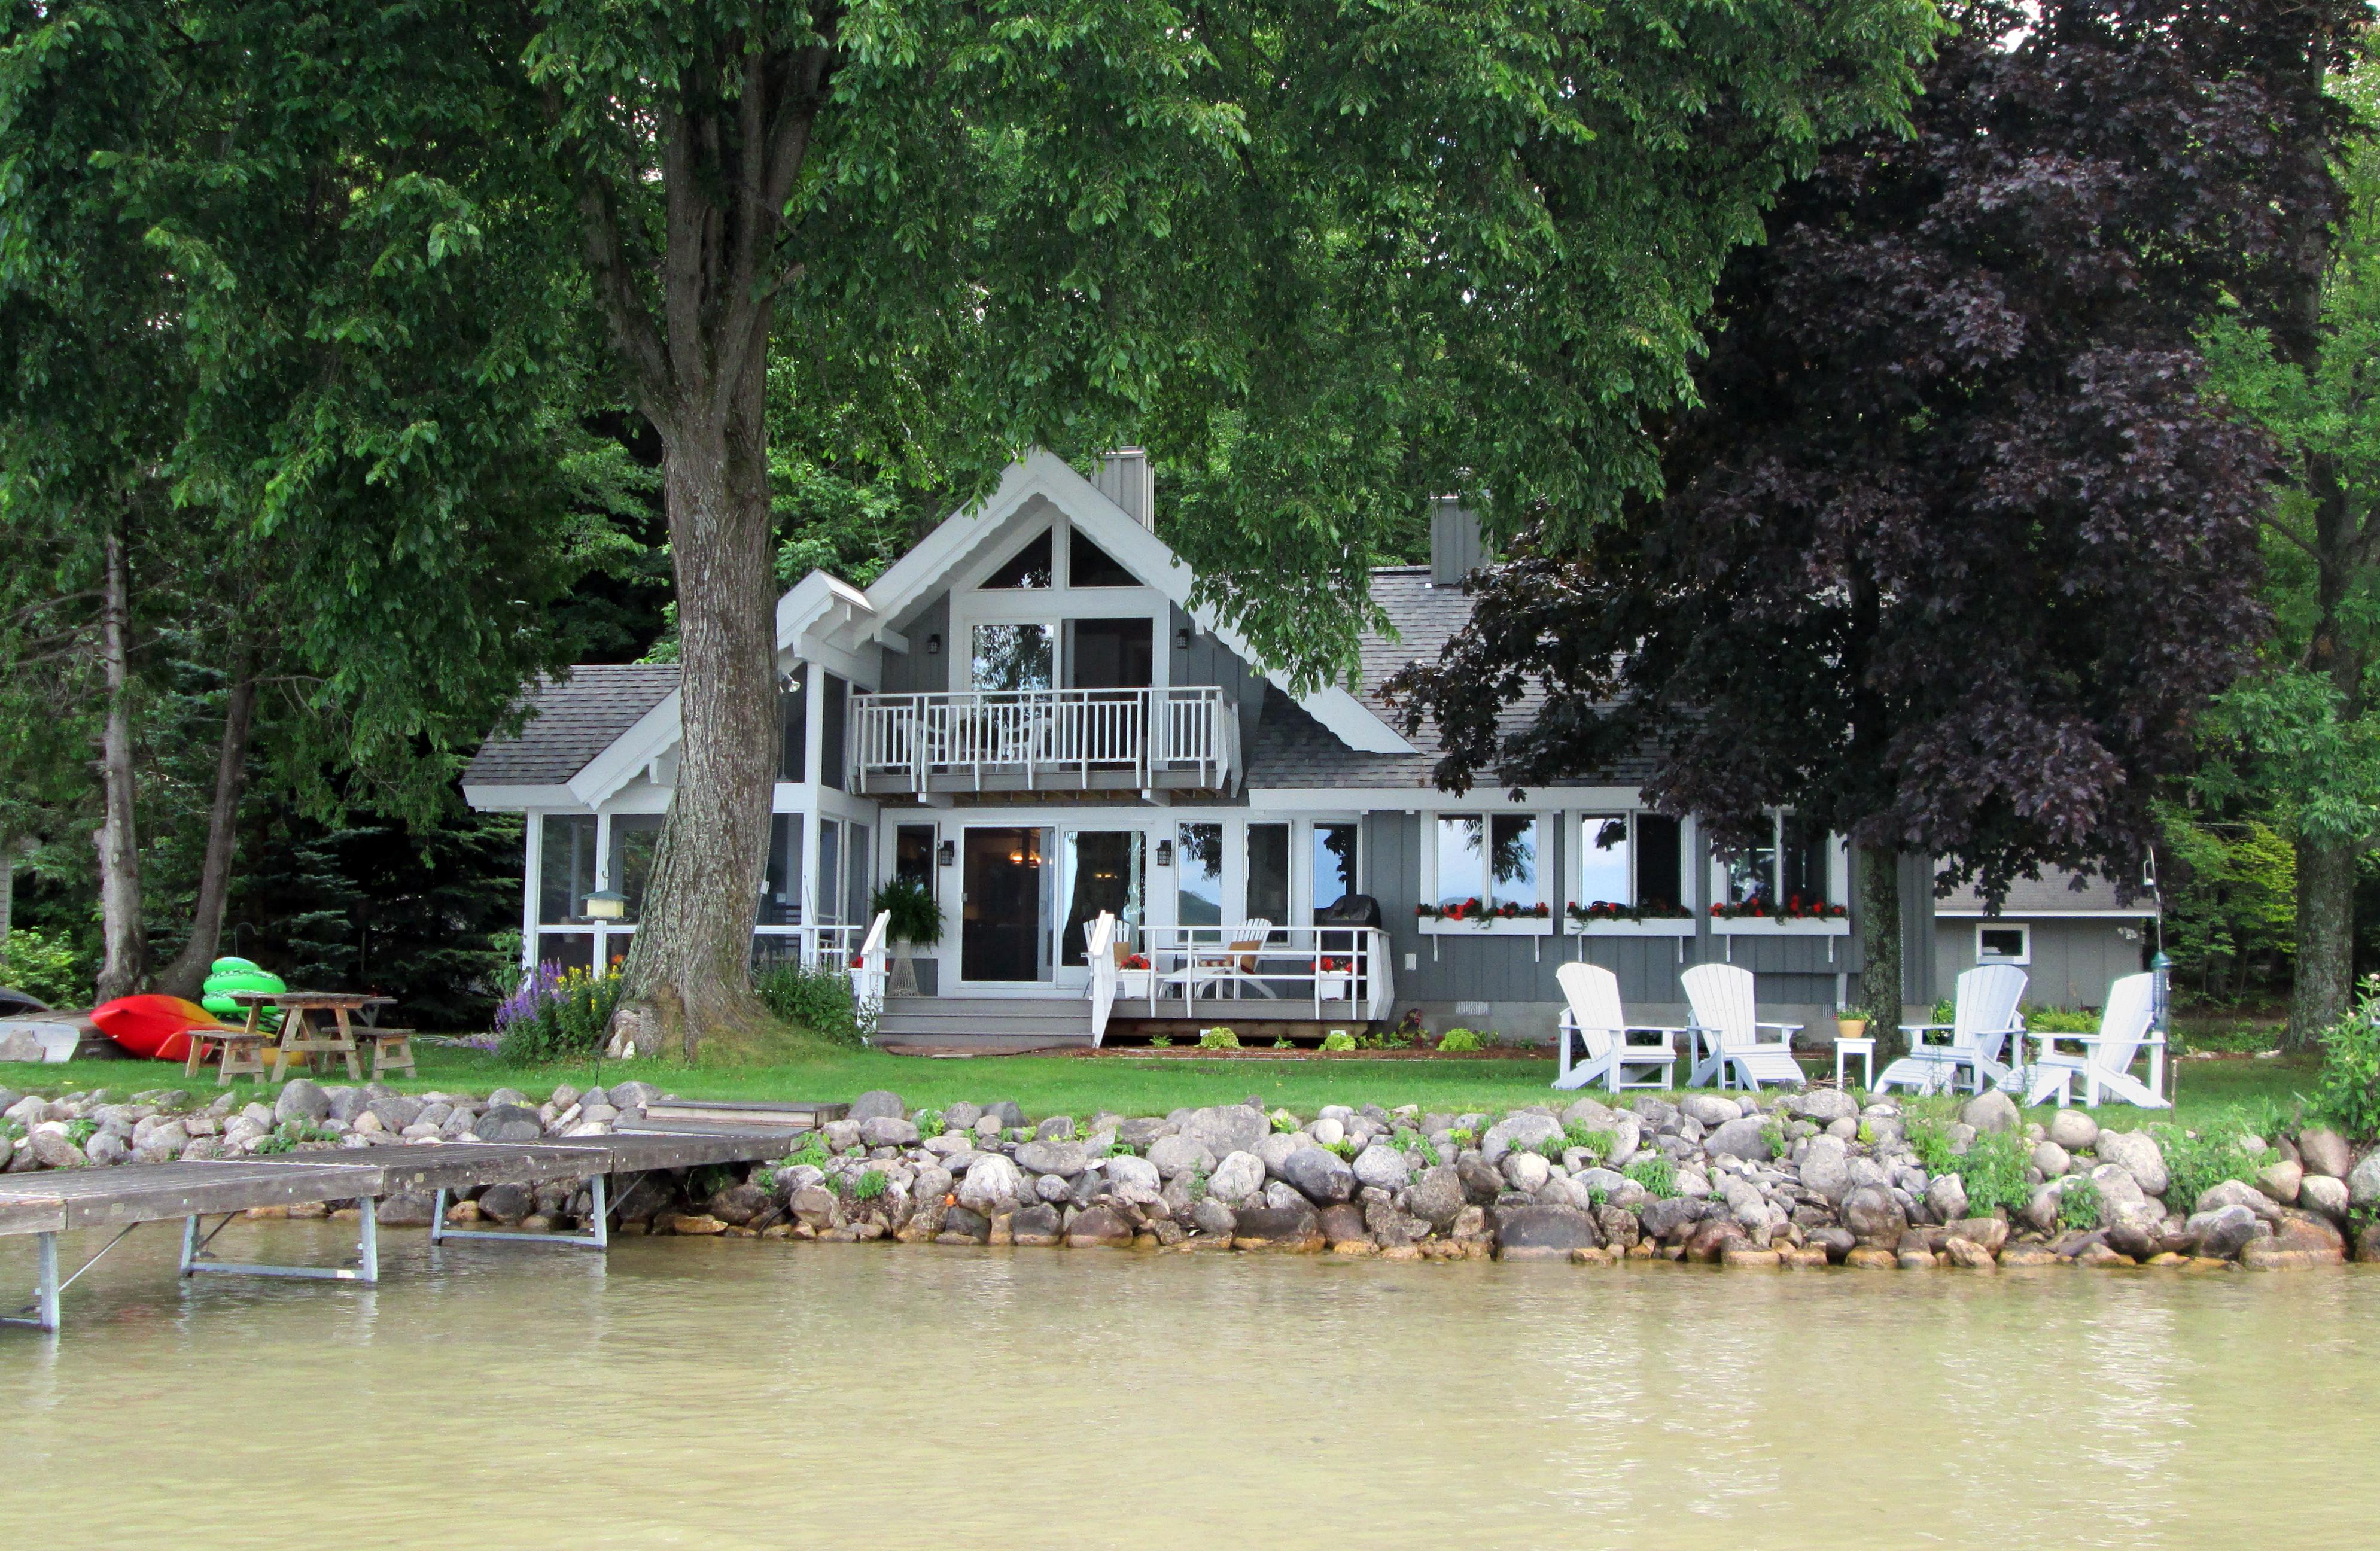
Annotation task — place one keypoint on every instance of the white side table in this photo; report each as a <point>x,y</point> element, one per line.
<point>1862,1048</point>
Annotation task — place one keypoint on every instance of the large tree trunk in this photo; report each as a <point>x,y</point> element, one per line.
<point>186,976</point>
<point>124,938</point>
<point>1879,924</point>
<point>2325,984</point>
<point>688,975</point>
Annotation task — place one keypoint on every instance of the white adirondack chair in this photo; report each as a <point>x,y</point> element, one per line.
<point>1982,1015</point>
<point>1595,1019</point>
<point>1230,960</point>
<point>1722,998</point>
<point>2105,1063</point>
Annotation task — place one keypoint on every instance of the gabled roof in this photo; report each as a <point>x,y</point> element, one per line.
<point>572,721</point>
<point>2051,895</point>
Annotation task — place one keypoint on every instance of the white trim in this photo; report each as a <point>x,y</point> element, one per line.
<point>2143,912</point>
<point>2022,928</point>
<point>625,757</point>
<point>1549,836</point>
<point>507,800</point>
<point>1772,926</point>
<point>1574,873</point>
<point>1658,926</point>
<point>1342,800</point>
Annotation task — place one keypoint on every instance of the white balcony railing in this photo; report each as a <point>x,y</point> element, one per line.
<point>1008,739</point>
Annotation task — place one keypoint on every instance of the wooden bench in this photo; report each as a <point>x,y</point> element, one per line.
<point>392,1049</point>
<point>243,1053</point>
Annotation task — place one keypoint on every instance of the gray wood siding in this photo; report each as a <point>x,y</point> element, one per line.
<point>2073,960</point>
<point>915,673</point>
<point>1209,660</point>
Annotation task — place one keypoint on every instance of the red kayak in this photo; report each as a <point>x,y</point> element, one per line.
<point>156,1028</point>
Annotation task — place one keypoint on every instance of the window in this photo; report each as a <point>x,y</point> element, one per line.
<point>1013,657</point>
<point>1660,845</point>
<point>636,837</point>
<point>1605,873</point>
<point>830,873</point>
<point>1090,566</point>
<point>565,867</point>
<point>1796,864</point>
<point>1198,874</point>
<point>780,889</point>
<point>1101,873</point>
<point>1493,861</point>
<point>794,728</point>
<point>1268,872</point>
<point>1028,567</point>
<point>1110,654</point>
<point>1634,860</point>
<point>1334,865</point>
<point>858,869</point>
<point>913,854</point>
<point>2003,943</point>
<point>834,726</point>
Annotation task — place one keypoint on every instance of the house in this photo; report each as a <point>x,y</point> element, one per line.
<point>2071,942</point>
<point>1026,714</point>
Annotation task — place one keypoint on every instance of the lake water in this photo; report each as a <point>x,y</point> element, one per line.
<point>733,1394</point>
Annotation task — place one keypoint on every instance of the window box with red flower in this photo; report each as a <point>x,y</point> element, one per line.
<point>1477,916</point>
<point>1792,917</point>
<point>1602,918</point>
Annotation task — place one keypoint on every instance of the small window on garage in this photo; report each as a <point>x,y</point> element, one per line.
<point>2002,942</point>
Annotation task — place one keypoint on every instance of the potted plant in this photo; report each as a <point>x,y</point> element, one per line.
<point>1334,978</point>
<point>916,922</point>
<point>1132,975</point>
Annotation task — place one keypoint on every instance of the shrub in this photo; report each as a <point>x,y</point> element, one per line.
<point>2078,1206</point>
<point>1283,1122</point>
<point>916,917</point>
<point>1457,1041</point>
<point>1218,1038</point>
<point>812,1151</point>
<point>1339,1039</point>
<point>1992,1168</point>
<point>2061,1020</point>
<point>2198,1161</point>
<point>557,1015</point>
<point>1160,1042</point>
<point>817,999</point>
<point>1397,1038</point>
<point>870,1184</point>
<point>1600,1143</point>
<point>1654,1172</point>
<point>47,967</point>
<point>2347,1096</point>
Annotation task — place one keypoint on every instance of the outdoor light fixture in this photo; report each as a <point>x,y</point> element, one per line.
<point>933,646</point>
<point>607,904</point>
<point>947,854</point>
<point>1165,853</point>
<point>1182,639</point>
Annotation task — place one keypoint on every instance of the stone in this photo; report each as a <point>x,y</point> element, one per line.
<point>507,1204</point>
<point>2222,1232</point>
<point>991,1187</point>
<point>508,1122</point>
<point>2281,1180</point>
<point>1098,1228</point>
<point>1526,1171</point>
<point>1294,1230</point>
<point>1993,1111</point>
<point>1322,1177</point>
<point>1946,1197</point>
<point>1130,1173</point>
<point>1065,1159</point>
<point>107,1148</point>
<point>1436,1197</point>
<point>888,1130</point>
<point>2367,1242</point>
<point>1825,1167</point>
<point>1834,1243</point>
<point>1212,1220</point>
<point>1543,1232</point>
<point>1037,1227</point>
<point>1239,1178</point>
<point>1481,1184</point>
<point>1173,1155</point>
<point>1709,1109</point>
<point>2138,1154</point>
<point>1381,1166</point>
<point>2020,1256</point>
<point>1670,1219</point>
<point>1006,1114</point>
<point>2051,1159</point>
<point>1591,1115</point>
<point>1742,1255</point>
<point>395,1112</point>
<point>406,1211</point>
<point>2326,1194</point>
<point>303,1101</point>
<point>2363,1181</point>
<point>52,1149</point>
<point>160,1141</point>
<point>1228,1129</point>
<point>2325,1151</point>
<point>1055,1128</point>
<point>1343,1223</point>
<point>876,1105</point>
<point>2305,1233</point>
<point>2077,1131</point>
<point>1825,1105</point>
<point>1744,1137</point>
<point>1871,1257</point>
<point>2233,1193</point>
<point>1523,1131</point>
<point>1328,1131</point>
<point>693,1225</point>
<point>960,1226</point>
<point>1989,1232</point>
<point>1874,1217</point>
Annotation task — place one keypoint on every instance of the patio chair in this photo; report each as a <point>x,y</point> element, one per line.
<point>1230,960</point>
<point>1982,1015</point>
<point>1722,998</point>
<point>2105,1063</point>
<point>1595,1019</point>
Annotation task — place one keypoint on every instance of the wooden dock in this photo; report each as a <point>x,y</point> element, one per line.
<point>127,1195</point>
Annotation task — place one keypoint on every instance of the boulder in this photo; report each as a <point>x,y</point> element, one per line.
<point>1228,1129</point>
<point>406,1211</point>
<point>1875,1216</point>
<point>1344,1224</point>
<point>1212,1218</point>
<point>108,1147</point>
<point>1126,1173</point>
<point>1968,1254</point>
<point>508,1122</point>
<point>1592,1115</point>
<point>2051,1159</point>
<point>1825,1105</point>
<point>1098,1228</point>
<point>1381,1166</point>
<point>1526,1171</point>
<point>1037,1227</point>
<point>2307,1233</point>
<point>1065,1159</point>
<point>1054,1127</point>
<point>1946,1197</point>
<point>2233,1193</point>
<point>1294,1230</point>
<point>1321,1177</point>
<point>1481,1184</point>
<point>1837,1242</point>
<point>1173,1155</point>
<point>2324,1151</point>
<point>1993,1111</point>
<point>992,1186</point>
<point>876,1105</point>
<point>1436,1197</point>
<point>2138,1154</point>
<point>2281,1180</point>
<point>507,1204</point>
<point>1988,1232</point>
<point>2222,1233</point>
<point>2363,1181</point>
<point>2326,1194</point>
<point>301,1101</point>
<point>816,1206</point>
<point>1825,1167</point>
<point>1524,1130</point>
<point>1744,1137</point>
<point>962,1226</point>
<point>1239,1178</point>
<point>1668,1219</point>
<point>888,1130</point>
<point>53,1149</point>
<point>2077,1131</point>
<point>1543,1232</point>
<point>1004,1114</point>
<point>1709,1109</point>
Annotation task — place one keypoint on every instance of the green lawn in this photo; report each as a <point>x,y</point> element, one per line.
<point>1072,1085</point>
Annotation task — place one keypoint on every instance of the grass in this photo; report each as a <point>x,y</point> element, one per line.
<point>1069,1085</point>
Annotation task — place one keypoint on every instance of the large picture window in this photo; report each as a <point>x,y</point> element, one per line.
<point>1334,864</point>
<point>1198,874</point>
<point>1013,657</point>
<point>1490,865</point>
<point>1793,870</point>
<point>1632,861</point>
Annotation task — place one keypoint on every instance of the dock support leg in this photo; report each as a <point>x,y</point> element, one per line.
<point>597,1238</point>
<point>366,1269</point>
<point>42,1314</point>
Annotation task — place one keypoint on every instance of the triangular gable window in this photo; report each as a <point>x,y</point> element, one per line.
<point>1028,567</point>
<point>1090,566</point>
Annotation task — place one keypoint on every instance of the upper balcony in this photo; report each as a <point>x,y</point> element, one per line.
<point>1008,740</point>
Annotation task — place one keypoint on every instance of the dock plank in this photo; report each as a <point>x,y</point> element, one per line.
<point>58,1200</point>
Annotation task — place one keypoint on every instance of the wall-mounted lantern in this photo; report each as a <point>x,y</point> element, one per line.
<point>947,854</point>
<point>933,646</point>
<point>1165,853</point>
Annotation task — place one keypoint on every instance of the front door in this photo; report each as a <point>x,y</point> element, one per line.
<point>1004,920</point>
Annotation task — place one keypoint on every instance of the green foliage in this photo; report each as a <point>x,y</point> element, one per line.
<point>2061,1020</point>
<point>1160,1042</point>
<point>929,1122</point>
<point>567,1020</point>
<point>80,1129</point>
<point>2230,892</point>
<point>2199,1158</point>
<point>1284,1043</point>
<point>1600,1143</point>
<point>1218,1038</point>
<point>2078,1206</point>
<point>1457,1041</point>
<point>1396,1037</point>
<point>2348,1095</point>
<point>1463,1136</point>
<point>916,916</point>
<point>870,1184</point>
<point>1283,1122</point>
<point>1337,1039</point>
<point>1347,1147</point>
<point>1655,1172</point>
<point>817,998</point>
<point>46,966</point>
<point>1993,1167</point>
<point>1197,1189</point>
<point>812,1151</point>
<point>289,1134</point>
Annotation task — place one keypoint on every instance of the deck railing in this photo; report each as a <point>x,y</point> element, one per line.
<point>1042,738</point>
<point>1316,972</point>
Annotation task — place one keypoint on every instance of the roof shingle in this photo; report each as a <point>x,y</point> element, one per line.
<point>571,721</point>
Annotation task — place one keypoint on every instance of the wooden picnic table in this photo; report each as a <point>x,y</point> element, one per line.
<point>302,1036</point>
